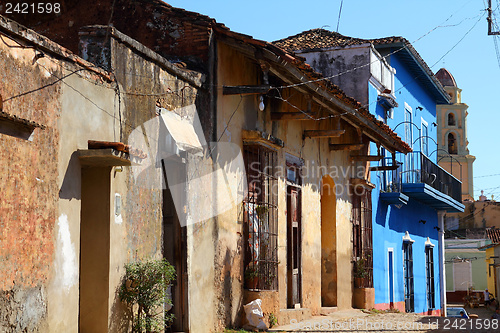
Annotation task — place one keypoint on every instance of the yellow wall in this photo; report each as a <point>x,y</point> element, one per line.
<point>234,113</point>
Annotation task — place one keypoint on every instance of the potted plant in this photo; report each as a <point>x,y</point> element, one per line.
<point>360,272</point>
<point>251,276</point>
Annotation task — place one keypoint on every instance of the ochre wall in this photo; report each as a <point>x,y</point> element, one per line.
<point>237,112</point>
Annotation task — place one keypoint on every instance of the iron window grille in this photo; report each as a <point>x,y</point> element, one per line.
<point>362,239</point>
<point>260,219</point>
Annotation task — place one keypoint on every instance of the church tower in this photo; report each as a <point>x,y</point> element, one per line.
<point>453,154</point>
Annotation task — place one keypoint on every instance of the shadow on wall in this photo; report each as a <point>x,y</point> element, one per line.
<point>121,316</point>
<point>71,185</point>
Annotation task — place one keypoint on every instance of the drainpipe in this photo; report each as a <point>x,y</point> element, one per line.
<point>442,273</point>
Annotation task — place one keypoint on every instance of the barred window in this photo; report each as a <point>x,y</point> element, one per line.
<point>429,268</point>
<point>260,219</point>
<point>362,239</point>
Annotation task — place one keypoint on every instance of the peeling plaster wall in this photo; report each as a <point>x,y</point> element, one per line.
<point>41,182</point>
<point>28,183</point>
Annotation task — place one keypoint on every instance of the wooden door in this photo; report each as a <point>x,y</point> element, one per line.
<point>293,247</point>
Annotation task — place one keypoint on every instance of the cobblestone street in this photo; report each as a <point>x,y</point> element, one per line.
<point>358,321</point>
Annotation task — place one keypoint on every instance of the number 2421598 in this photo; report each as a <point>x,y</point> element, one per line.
<point>32,8</point>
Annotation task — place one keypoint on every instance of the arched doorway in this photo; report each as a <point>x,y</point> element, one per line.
<point>328,243</point>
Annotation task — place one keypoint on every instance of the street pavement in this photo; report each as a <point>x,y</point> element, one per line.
<point>355,320</point>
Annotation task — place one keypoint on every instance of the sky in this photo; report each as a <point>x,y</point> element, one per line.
<point>447,33</point>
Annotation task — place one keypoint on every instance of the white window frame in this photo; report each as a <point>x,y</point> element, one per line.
<point>422,124</point>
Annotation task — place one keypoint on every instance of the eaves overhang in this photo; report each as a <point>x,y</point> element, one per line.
<point>418,68</point>
<point>289,69</point>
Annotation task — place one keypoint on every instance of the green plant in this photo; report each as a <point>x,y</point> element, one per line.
<point>145,284</point>
<point>251,272</point>
<point>360,268</point>
<point>261,211</point>
<point>272,320</point>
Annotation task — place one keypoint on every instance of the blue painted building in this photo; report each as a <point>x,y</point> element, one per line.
<point>402,243</point>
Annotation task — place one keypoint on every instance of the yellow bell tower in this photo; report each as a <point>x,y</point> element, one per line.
<point>453,152</point>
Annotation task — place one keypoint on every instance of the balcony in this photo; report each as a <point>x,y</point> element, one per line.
<point>419,178</point>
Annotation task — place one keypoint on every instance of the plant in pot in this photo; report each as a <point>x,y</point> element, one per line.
<point>251,276</point>
<point>360,272</point>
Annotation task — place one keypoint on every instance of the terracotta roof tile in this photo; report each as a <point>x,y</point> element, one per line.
<point>320,39</point>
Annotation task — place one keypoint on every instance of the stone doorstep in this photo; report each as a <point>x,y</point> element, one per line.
<point>327,310</point>
<point>285,316</point>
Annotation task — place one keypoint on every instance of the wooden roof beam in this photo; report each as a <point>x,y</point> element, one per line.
<point>348,146</point>
<point>371,158</point>
<point>323,133</point>
<point>246,90</point>
<point>292,116</point>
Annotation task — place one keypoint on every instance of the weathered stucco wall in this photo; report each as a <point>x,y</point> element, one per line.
<point>29,191</point>
<point>40,210</point>
<point>351,61</point>
<point>237,112</point>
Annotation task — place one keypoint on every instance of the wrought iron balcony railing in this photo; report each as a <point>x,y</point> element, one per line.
<point>415,168</point>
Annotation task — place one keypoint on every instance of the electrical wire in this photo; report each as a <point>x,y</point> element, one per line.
<point>340,12</point>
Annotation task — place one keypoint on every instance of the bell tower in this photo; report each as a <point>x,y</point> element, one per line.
<point>453,152</point>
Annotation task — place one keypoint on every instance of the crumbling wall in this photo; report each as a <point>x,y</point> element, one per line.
<point>29,191</point>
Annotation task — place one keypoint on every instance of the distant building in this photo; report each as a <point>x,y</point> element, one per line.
<point>453,152</point>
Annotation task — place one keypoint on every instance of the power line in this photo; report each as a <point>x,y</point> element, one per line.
<point>492,175</point>
<point>340,12</point>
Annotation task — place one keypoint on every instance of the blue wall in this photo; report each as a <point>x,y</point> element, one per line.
<point>391,223</point>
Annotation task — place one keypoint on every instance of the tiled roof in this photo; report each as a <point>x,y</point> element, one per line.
<point>494,235</point>
<point>316,39</point>
<point>320,38</point>
<point>297,61</point>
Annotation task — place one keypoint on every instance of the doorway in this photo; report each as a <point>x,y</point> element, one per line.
<point>328,243</point>
<point>175,245</point>
<point>391,278</point>
<point>293,247</point>
<point>94,249</point>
